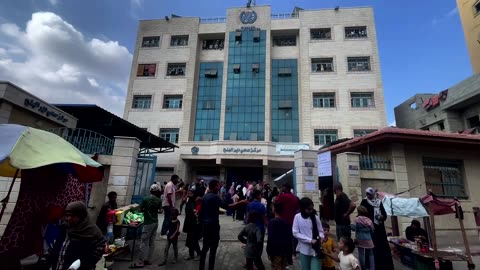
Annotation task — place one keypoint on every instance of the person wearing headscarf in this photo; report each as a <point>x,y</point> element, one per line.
<point>80,239</point>
<point>377,213</point>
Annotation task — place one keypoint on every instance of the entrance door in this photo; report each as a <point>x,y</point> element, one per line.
<point>144,177</point>
<point>240,175</point>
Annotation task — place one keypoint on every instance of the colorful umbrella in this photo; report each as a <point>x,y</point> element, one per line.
<point>23,148</point>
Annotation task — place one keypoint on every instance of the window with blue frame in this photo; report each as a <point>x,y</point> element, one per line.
<point>209,98</point>
<point>245,99</point>
<point>324,136</point>
<point>284,101</point>
<point>170,134</point>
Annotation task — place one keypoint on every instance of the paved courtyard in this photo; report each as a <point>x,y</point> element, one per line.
<point>229,254</point>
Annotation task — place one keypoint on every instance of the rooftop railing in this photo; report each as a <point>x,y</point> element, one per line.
<point>283,16</point>
<point>87,141</point>
<point>213,20</point>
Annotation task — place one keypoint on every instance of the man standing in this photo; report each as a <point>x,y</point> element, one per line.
<point>211,225</point>
<point>168,203</point>
<point>290,208</point>
<point>257,207</point>
<point>343,208</point>
<point>150,207</point>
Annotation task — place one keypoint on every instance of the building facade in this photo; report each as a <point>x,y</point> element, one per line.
<point>456,109</point>
<point>412,163</point>
<point>469,11</point>
<point>241,94</point>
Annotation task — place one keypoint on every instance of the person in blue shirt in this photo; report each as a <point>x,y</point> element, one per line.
<point>257,207</point>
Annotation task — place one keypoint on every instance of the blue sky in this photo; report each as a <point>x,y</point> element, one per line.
<point>79,51</point>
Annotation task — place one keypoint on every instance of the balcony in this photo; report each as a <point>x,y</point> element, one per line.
<point>87,141</point>
<point>374,163</point>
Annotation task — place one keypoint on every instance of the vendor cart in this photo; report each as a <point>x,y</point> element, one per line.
<point>427,206</point>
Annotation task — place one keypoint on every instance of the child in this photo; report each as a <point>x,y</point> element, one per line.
<point>172,237</point>
<point>235,199</point>
<point>252,237</point>
<point>328,245</point>
<point>364,228</point>
<point>279,243</point>
<point>345,257</point>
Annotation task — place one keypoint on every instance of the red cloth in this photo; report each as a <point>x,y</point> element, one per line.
<point>290,206</point>
<point>438,206</point>
<point>435,101</point>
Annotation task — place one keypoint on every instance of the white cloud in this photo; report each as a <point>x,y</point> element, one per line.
<point>136,3</point>
<point>60,65</point>
<point>93,82</point>
<point>53,2</point>
<point>449,14</point>
<point>392,124</point>
<point>136,6</point>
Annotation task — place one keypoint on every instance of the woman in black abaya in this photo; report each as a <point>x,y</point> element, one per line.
<point>376,212</point>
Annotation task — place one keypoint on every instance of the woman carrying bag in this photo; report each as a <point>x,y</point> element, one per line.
<point>307,228</point>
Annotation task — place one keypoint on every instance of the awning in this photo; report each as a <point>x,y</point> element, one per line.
<point>284,178</point>
<point>94,118</point>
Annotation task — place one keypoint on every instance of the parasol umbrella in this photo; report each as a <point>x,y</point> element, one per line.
<point>23,148</point>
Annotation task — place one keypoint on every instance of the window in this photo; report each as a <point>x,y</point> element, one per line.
<point>208,105</point>
<point>356,32</point>
<point>142,102</point>
<point>320,33</point>
<point>176,69</point>
<point>172,102</point>
<point>151,42</point>
<point>362,100</point>
<point>284,72</point>
<point>441,126</point>
<point>444,177</point>
<point>476,8</point>
<point>236,68</point>
<point>255,68</point>
<point>322,64</point>
<point>474,121</point>
<point>238,37</point>
<point>358,63</point>
<point>324,100</point>
<point>324,136</point>
<point>256,36</point>
<point>285,41</point>
<point>146,70</point>
<point>362,132</point>
<point>169,134</point>
<point>213,44</point>
<point>177,41</point>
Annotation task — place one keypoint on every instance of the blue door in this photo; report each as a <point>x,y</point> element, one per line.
<point>144,177</point>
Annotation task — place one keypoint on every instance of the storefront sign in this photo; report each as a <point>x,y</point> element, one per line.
<point>289,149</point>
<point>36,105</point>
<point>324,164</point>
<point>251,150</point>
<point>248,16</point>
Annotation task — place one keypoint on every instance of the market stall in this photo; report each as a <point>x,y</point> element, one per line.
<point>129,220</point>
<point>416,254</point>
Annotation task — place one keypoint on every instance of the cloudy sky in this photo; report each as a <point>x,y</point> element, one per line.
<point>80,51</point>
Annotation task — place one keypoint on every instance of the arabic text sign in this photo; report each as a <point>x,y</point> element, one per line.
<point>250,150</point>
<point>324,164</point>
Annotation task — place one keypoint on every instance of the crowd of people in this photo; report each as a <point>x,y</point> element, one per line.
<point>294,228</point>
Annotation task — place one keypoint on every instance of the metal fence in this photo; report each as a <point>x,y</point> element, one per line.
<point>87,141</point>
<point>374,163</point>
<point>283,16</point>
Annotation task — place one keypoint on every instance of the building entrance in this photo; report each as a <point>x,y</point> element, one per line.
<point>240,175</point>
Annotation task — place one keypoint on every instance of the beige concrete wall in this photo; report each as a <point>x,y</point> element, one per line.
<point>342,117</point>
<point>122,171</point>
<point>5,111</point>
<point>471,29</point>
<point>471,159</point>
<point>4,186</point>
<point>307,176</point>
<point>350,179</point>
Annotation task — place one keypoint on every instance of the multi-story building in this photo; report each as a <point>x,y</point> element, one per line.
<point>240,94</point>
<point>456,109</point>
<point>469,11</point>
